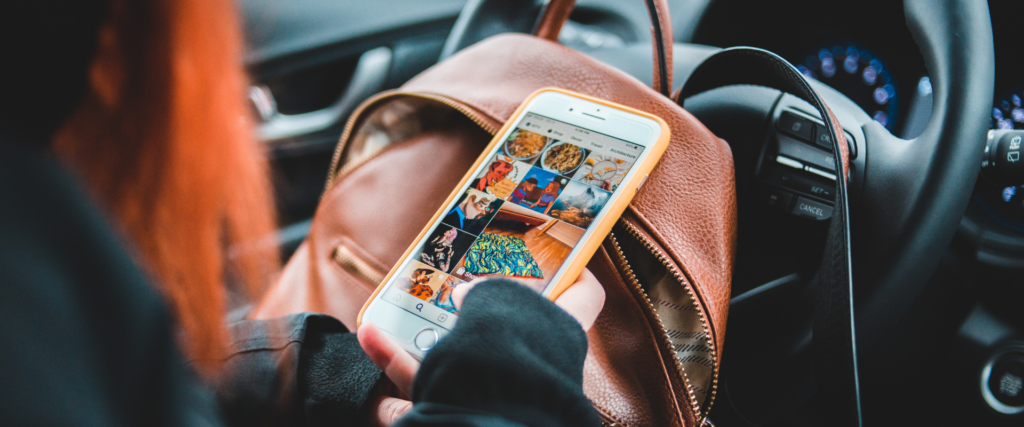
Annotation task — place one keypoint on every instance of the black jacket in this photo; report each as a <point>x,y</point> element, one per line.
<point>84,340</point>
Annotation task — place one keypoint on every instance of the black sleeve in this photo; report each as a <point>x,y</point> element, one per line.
<point>513,358</point>
<point>299,370</point>
<point>84,340</point>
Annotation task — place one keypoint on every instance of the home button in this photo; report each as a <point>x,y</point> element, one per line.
<point>426,339</point>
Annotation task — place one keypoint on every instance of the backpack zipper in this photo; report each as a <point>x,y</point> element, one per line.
<point>665,341</point>
<point>356,265</point>
<point>491,125</point>
<point>484,121</point>
<point>344,257</point>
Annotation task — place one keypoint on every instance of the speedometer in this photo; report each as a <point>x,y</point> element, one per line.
<point>1007,113</point>
<point>859,74</point>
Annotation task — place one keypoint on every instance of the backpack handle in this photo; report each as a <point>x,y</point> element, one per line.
<point>556,12</point>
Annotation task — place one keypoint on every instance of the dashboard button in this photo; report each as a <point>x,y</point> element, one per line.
<point>786,161</point>
<point>820,173</point>
<point>1003,163</point>
<point>426,339</point>
<point>1007,157</point>
<point>793,181</point>
<point>776,198</point>
<point>806,154</point>
<point>821,137</point>
<point>796,126</point>
<point>810,209</point>
<point>823,140</point>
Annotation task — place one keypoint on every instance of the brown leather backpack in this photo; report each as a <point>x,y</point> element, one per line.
<point>656,348</point>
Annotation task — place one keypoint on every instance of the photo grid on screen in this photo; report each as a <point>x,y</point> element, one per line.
<point>523,213</point>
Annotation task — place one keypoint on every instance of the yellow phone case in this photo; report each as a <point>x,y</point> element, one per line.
<point>601,230</point>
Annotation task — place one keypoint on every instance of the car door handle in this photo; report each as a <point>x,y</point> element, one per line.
<point>368,78</point>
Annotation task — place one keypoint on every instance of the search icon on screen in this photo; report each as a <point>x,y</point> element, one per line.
<point>419,307</point>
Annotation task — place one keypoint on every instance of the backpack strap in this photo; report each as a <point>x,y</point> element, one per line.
<point>834,345</point>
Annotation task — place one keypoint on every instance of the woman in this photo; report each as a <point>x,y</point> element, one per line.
<point>546,198</point>
<point>444,299</point>
<point>165,72</point>
<point>417,284</point>
<point>127,167</point>
<point>523,190</point>
<point>438,252</point>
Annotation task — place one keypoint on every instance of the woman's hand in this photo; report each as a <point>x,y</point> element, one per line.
<point>400,368</point>
<point>583,300</point>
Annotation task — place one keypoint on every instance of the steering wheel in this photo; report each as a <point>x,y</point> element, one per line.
<point>907,197</point>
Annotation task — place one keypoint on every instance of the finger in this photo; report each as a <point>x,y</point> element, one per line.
<point>459,293</point>
<point>391,358</point>
<point>390,409</point>
<point>584,299</point>
<point>389,389</point>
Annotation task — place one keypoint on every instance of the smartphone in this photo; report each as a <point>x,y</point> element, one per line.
<point>535,207</point>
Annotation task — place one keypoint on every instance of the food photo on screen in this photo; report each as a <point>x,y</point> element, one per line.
<point>603,171</point>
<point>563,158</point>
<point>524,145</point>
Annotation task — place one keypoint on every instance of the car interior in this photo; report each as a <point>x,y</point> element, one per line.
<point>936,209</point>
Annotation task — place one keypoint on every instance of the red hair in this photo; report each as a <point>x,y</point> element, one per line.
<point>163,140</point>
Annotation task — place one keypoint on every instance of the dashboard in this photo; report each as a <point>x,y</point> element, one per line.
<point>967,326</point>
<point>994,222</point>
<point>865,51</point>
<point>312,61</point>
<point>305,56</point>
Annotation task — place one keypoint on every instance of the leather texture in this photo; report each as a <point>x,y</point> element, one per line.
<point>371,210</point>
<point>689,201</point>
<point>553,18</point>
<point>687,208</point>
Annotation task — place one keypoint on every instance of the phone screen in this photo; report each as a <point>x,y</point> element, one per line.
<point>521,215</point>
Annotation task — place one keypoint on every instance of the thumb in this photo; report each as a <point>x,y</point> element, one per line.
<point>391,358</point>
<point>390,409</point>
